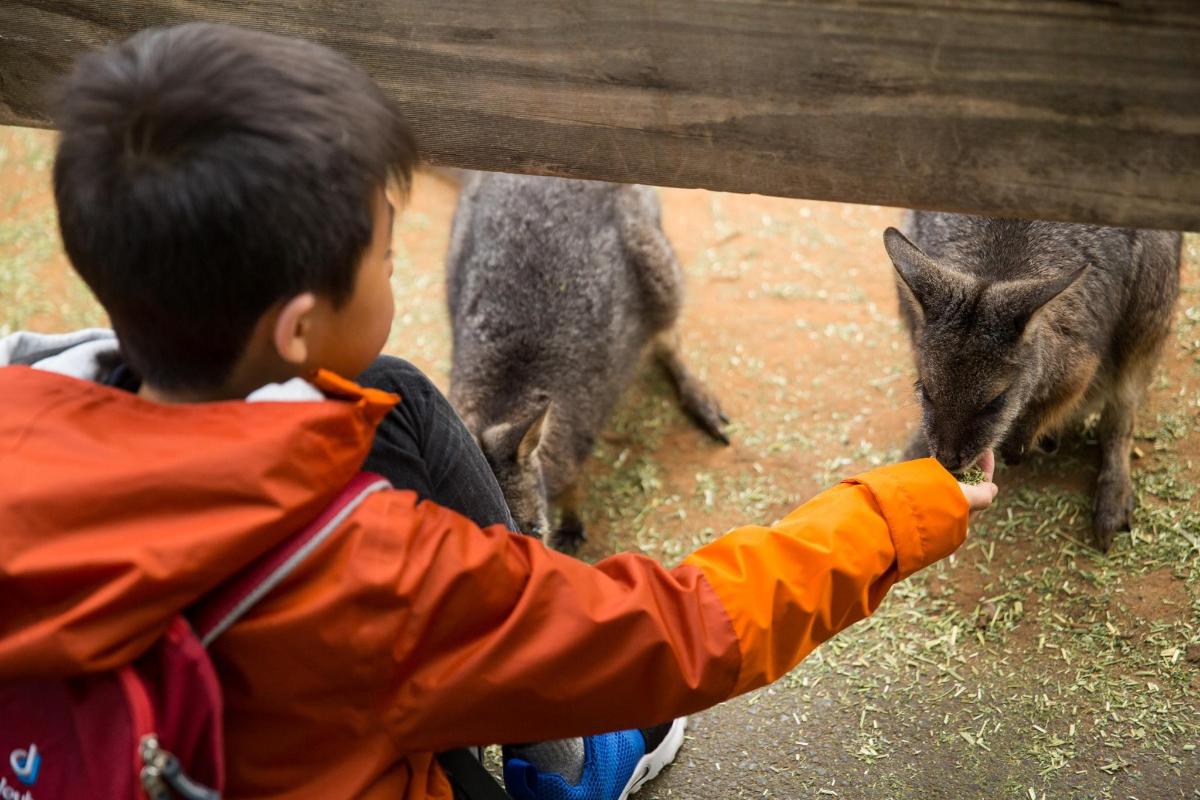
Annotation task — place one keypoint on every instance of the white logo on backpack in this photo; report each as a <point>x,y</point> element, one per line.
<point>25,763</point>
<point>8,792</point>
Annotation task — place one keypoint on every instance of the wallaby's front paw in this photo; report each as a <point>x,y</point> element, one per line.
<point>1013,454</point>
<point>1113,513</point>
<point>569,536</point>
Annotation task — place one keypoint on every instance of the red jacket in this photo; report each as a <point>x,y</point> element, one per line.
<point>411,630</point>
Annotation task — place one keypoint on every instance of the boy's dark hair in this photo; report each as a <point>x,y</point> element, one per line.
<point>206,172</point>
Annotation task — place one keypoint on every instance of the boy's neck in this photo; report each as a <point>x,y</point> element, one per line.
<point>244,380</point>
<point>148,392</point>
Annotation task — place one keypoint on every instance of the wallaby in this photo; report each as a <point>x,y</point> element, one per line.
<point>1020,328</point>
<point>555,289</point>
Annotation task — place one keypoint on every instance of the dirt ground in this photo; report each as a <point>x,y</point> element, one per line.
<point>1027,666</point>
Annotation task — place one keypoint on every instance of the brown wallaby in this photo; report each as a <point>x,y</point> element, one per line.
<point>1019,328</point>
<point>555,289</point>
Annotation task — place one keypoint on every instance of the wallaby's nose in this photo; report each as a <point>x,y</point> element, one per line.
<point>952,464</point>
<point>953,461</point>
<point>962,461</point>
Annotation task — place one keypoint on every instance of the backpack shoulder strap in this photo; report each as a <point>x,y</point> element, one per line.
<point>229,602</point>
<point>217,612</point>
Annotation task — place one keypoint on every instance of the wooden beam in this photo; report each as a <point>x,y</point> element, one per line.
<point>1085,110</point>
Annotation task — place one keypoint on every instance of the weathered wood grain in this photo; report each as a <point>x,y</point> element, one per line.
<point>1061,109</point>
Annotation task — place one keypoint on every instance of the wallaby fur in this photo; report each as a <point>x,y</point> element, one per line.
<point>555,288</point>
<point>1020,328</point>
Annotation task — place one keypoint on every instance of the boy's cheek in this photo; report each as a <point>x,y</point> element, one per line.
<point>385,322</point>
<point>366,324</point>
<point>373,336</point>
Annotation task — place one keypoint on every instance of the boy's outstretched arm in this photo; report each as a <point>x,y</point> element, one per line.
<point>461,636</point>
<point>829,563</point>
<point>505,640</point>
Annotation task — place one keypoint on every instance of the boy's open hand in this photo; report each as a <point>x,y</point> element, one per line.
<point>981,495</point>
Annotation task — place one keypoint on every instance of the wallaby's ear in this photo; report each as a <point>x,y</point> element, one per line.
<point>922,280</point>
<point>519,439</point>
<point>533,434</point>
<point>1030,298</point>
<point>492,438</point>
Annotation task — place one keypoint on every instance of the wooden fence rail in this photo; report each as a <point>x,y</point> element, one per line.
<point>1085,110</point>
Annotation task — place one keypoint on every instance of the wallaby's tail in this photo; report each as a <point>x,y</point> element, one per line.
<point>695,398</point>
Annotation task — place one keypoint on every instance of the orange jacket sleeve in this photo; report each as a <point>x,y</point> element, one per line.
<point>445,635</point>
<point>829,563</point>
<point>505,640</point>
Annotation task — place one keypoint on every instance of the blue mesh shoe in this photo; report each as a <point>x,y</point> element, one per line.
<point>615,765</point>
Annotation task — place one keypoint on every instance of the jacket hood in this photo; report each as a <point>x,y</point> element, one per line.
<point>117,512</point>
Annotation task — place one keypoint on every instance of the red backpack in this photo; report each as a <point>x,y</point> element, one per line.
<point>150,729</point>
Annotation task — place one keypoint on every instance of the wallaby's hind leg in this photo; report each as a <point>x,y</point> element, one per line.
<point>697,401</point>
<point>1148,326</point>
<point>659,276</point>
<point>570,533</point>
<point>1113,510</point>
<point>661,280</point>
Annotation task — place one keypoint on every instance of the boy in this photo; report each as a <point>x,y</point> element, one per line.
<point>223,194</point>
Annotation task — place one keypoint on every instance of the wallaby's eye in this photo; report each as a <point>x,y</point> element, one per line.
<point>996,404</point>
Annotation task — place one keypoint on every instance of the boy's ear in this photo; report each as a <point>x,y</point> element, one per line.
<point>293,327</point>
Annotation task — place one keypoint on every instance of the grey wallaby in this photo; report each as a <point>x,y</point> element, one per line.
<point>1021,328</point>
<point>555,289</point>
